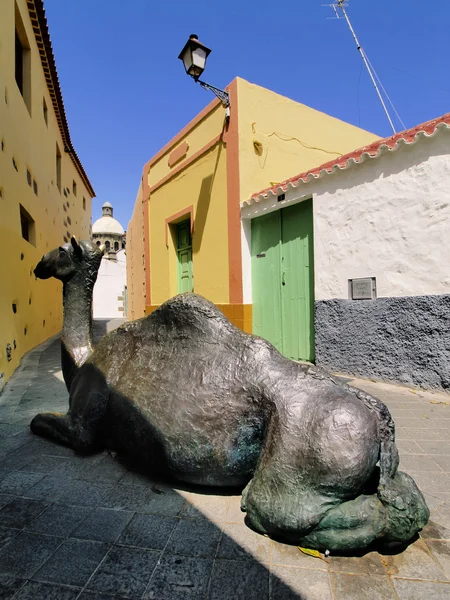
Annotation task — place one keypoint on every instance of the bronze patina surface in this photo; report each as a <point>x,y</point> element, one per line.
<point>189,396</point>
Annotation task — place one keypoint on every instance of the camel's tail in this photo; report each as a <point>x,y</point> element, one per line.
<point>388,456</point>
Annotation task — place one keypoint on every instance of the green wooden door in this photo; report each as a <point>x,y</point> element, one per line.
<point>266,289</point>
<point>297,281</point>
<point>283,280</point>
<point>184,254</point>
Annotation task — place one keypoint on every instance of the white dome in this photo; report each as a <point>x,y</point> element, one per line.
<point>107,225</point>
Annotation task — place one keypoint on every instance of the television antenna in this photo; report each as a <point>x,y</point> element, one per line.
<point>340,13</point>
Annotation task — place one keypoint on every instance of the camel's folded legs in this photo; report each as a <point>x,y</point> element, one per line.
<point>54,426</point>
<point>81,427</point>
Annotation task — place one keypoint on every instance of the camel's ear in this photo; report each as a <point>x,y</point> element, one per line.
<point>102,248</point>
<point>76,246</point>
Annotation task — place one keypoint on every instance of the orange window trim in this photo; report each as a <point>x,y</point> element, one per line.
<point>189,210</point>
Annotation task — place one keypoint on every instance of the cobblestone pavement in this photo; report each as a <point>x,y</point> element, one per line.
<point>90,528</point>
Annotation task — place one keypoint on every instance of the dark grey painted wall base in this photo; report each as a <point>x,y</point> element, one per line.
<point>404,340</point>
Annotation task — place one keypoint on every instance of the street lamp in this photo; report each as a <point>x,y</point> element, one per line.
<point>194,55</point>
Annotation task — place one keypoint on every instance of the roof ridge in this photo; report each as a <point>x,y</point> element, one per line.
<point>42,36</point>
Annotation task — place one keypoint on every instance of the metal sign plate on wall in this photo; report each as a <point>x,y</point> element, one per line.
<point>364,288</point>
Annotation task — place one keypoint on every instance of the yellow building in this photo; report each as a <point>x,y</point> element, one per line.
<point>45,195</point>
<point>185,232</point>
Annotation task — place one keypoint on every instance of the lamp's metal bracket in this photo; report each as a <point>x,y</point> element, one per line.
<point>223,96</point>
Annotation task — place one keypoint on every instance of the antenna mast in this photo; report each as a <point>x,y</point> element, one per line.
<point>340,5</point>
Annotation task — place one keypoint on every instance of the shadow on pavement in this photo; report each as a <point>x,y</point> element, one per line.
<point>91,527</point>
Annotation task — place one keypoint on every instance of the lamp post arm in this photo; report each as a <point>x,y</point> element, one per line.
<point>223,96</point>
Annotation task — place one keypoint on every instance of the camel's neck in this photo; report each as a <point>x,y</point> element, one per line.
<point>76,340</point>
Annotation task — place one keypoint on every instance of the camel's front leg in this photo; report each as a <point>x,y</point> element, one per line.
<point>81,427</point>
<point>54,426</point>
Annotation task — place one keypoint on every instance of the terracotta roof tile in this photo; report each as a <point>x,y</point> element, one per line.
<point>392,143</point>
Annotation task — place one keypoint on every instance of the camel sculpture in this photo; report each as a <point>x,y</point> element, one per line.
<point>191,397</point>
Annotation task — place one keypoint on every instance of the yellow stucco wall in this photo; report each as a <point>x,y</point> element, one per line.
<point>294,138</point>
<point>197,180</point>
<point>275,121</point>
<point>32,143</point>
<point>202,185</point>
<point>136,261</point>
<point>197,136</point>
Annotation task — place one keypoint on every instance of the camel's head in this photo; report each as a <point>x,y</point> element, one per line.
<point>67,260</point>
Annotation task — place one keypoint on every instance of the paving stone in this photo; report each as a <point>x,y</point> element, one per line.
<point>248,580</point>
<point>88,595</point>
<point>234,512</point>
<point>103,525</point>
<point>168,503</point>
<point>443,461</point>
<point>441,552</point>
<point>368,564</point>
<point>204,506</point>
<point>26,553</point>
<point>417,590</point>
<point>33,590</point>
<point>59,520</point>
<point>4,499</point>
<point>414,463</point>
<point>396,413</point>
<point>148,531</point>
<point>17,460</point>
<point>9,586</point>
<point>125,497</point>
<point>107,470</point>
<point>125,571</point>
<point>74,467</point>
<point>179,577</point>
<point>6,535</point>
<point>50,487</point>
<point>434,531</point>
<point>291,556</point>
<point>424,434</point>
<point>15,429</point>
<point>87,493</point>
<point>73,562</point>
<point>432,481</point>
<point>434,447</point>
<point>13,443</point>
<point>195,538</point>
<point>136,478</point>
<point>440,521</point>
<point>433,502</point>
<point>17,482</point>
<point>288,583</point>
<point>414,563</point>
<point>54,449</point>
<point>241,543</point>
<point>20,511</point>
<point>411,422</point>
<point>408,447</point>
<point>361,587</point>
<point>44,464</point>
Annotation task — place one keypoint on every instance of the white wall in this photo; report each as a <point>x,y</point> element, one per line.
<point>388,218</point>
<point>110,284</point>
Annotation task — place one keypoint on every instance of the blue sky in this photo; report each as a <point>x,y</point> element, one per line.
<point>126,93</point>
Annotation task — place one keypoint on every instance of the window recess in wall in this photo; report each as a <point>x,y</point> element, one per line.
<point>22,60</point>
<point>27,226</point>
<point>58,167</point>
<point>45,111</point>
